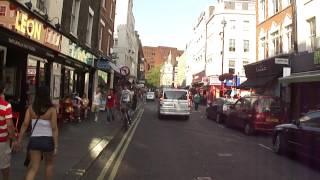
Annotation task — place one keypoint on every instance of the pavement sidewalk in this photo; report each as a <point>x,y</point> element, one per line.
<point>79,145</point>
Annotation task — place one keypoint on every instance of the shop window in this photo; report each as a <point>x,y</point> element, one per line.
<point>262,10</point>
<point>101,35</point>
<point>3,10</point>
<point>229,5</point>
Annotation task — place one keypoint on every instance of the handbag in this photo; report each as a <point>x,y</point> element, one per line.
<point>27,159</point>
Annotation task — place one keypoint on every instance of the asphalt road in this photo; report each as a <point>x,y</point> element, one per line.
<point>174,149</point>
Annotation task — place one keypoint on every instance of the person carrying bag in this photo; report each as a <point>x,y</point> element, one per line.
<point>43,141</point>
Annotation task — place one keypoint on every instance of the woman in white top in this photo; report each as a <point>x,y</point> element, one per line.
<point>96,104</point>
<point>44,136</point>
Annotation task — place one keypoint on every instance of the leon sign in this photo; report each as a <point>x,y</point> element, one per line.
<point>19,21</point>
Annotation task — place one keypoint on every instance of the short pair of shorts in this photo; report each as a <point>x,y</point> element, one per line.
<point>95,108</point>
<point>5,155</point>
<point>41,143</point>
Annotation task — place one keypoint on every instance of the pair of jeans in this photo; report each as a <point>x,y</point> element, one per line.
<point>109,114</point>
<point>196,106</point>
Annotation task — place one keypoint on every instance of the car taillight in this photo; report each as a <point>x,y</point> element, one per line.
<point>260,116</point>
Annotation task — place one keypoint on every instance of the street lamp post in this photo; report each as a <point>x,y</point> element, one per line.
<point>224,23</point>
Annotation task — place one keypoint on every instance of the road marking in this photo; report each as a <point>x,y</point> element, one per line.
<point>116,152</point>
<point>265,147</point>
<point>224,154</point>
<point>203,178</point>
<point>124,149</point>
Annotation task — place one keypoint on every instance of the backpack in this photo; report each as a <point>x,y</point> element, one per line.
<point>126,96</point>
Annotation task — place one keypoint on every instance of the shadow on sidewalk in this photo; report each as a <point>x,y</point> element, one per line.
<point>78,143</point>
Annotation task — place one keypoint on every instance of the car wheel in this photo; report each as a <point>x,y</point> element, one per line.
<point>218,118</point>
<point>279,145</point>
<point>207,115</point>
<point>248,129</point>
<point>227,122</point>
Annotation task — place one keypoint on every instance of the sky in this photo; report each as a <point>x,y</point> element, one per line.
<point>167,22</point>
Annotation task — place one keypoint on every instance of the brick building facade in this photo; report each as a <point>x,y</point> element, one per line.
<point>156,56</point>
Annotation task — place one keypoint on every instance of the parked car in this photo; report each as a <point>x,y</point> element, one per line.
<point>174,102</point>
<point>151,96</point>
<point>218,109</point>
<point>255,113</point>
<point>301,136</point>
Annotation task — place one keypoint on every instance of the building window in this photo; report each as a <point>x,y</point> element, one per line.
<point>116,42</point>
<point>3,10</point>
<point>262,10</point>
<point>232,45</point>
<point>232,65</point>
<point>262,48</point>
<point>288,38</point>
<point>229,5</point>
<point>276,6</point>
<point>41,5</point>
<point>89,26</point>
<point>245,6</point>
<point>111,11</point>
<point>313,34</point>
<point>245,45</point>
<point>74,17</point>
<point>246,24</point>
<point>275,41</point>
<point>102,26</point>
<point>285,3</point>
<point>103,3</point>
<point>233,24</point>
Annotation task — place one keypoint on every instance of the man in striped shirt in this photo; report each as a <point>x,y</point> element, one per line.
<point>6,133</point>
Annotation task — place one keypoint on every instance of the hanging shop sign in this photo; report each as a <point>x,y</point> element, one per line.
<point>17,20</point>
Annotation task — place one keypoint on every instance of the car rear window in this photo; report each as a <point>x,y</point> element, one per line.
<point>179,95</point>
<point>268,104</point>
<point>150,93</point>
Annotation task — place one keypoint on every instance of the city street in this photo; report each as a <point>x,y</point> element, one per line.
<point>175,149</point>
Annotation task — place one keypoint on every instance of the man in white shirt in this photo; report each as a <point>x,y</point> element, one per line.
<point>96,104</point>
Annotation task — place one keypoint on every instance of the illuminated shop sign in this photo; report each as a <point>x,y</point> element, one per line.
<point>27,25</point>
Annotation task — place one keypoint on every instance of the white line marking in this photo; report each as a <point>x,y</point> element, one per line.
<point>224,154</point>
<point>114,154</point>
<point>265,147</point>
<point>124,149</point>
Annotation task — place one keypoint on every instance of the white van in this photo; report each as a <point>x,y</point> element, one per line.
<point>174,102</point>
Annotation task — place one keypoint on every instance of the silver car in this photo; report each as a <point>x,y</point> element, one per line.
<point>174,102</point>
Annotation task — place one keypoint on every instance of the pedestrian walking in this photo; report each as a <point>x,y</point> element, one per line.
<point>110,99</point>
<point>6,134</point>
<point>96,104</point>
<point>85,105</point>
<point>43,142</point>
<point>197,100</point>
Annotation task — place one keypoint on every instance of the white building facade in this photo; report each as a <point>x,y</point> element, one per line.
<point>126,45</point>
<point>167,73</point>
<point>231,38</point>
<point>308,25</point>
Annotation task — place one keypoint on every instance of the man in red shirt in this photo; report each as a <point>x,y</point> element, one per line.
<point>6,133</point>
<point>110,105</point>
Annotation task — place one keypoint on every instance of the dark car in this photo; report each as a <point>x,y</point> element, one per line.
<point>255,113</point>
<point>301,137</point>
<point>218,109</point>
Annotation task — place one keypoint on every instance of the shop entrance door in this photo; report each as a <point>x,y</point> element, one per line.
<point>3,53</point>
<point>37,75</point>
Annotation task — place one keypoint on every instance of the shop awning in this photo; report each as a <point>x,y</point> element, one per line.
<point>114,67</point>
<point>310,76</point>
<point>257,82</point>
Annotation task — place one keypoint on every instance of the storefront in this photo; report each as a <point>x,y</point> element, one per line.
<point>303,84</point>
<point>33,54</point>
<point>262,76</point>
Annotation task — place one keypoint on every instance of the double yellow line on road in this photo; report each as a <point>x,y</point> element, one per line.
<point>118,154</point>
